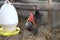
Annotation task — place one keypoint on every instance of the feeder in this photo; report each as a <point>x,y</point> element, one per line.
<point>9,20</point>
<point>7,33</point>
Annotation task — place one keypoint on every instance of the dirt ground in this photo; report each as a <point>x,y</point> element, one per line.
<point>44,33</point>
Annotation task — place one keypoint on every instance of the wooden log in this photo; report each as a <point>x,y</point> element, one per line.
<point>49,12</point>
<point>49,2</point>
<point>40,6</point>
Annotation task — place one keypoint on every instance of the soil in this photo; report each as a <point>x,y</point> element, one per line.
<point>44,33</point>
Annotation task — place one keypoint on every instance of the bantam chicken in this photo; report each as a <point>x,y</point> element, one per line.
<point>32,22</point>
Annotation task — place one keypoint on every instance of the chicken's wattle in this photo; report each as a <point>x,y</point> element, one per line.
<point>31,17</point>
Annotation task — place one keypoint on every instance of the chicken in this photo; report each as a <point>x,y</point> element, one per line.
<point>31,24</point>
<point>33,21</point>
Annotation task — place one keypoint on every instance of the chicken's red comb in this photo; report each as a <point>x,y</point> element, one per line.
<point>31,14</point>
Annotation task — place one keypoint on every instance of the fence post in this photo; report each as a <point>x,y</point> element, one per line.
<point>50,13</point>
<point>49,2</point>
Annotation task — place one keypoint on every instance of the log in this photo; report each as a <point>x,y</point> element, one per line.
<point>42,6</point>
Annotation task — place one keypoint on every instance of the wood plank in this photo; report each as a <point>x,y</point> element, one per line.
<point>33,6</point>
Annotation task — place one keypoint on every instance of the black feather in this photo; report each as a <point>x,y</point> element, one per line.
<point>38,16</point>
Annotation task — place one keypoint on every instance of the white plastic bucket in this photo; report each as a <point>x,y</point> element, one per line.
<point>9,28</point>
<point>9,16</point>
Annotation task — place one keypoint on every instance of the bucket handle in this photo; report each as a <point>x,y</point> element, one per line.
<point>7,1</point>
